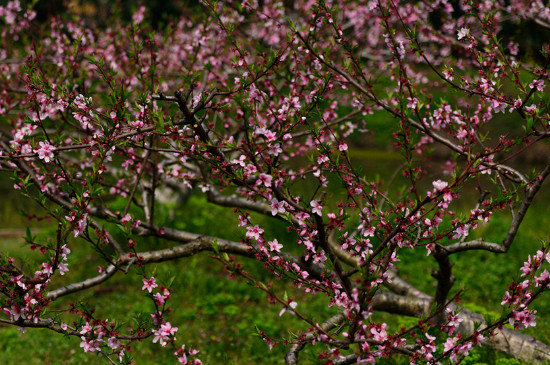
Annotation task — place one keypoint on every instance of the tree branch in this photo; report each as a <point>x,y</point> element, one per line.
<point>518,345</point>
<point>514,226</point>
<point>83,285</point>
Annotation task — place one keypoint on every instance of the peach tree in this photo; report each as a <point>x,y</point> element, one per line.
<point>257,106</point>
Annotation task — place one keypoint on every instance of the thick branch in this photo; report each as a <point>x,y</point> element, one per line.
<point>86,284</point>
<point>237,202</point>
<point>201,243</point>
<point>518,345</point>
<point>194,244</point>
<point>445,279</point>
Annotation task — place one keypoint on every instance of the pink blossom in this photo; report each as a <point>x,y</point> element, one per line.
<point>477,338</point>
<point>159,298</point>
<point>450,343</point>
<point>17,312</point>
<point>498,106</point>
<point>513,48</point>
<point>196,100</point>
<point>90,345</point>
<point>65,251</point>
<point>17,279</point>
<point>454,321</point>
<point>183,359</point>
<point>412,103</point>
<point>531,109</point>
<point>379,334</point>
<point>45,152</point>
<point>163,333</point>
<point>274,245</point>
<point>62,267</point>
<point>265,180</point>
<point>86,328</point>
<point>322,159</point>
<point>138,16</point>
<point>127,218</point>
<point>523,319</point>
<point>542,278</point>
<point>149,284</point>
<point>80,226</point>
<point>460,231</point>
<point>518,103</point>
<point>254,232</point>
<point>428,348</point>
<point>527,267</point>
<point>448,74</point>
<point>439,185</point>
<point>240,161</point>
<point>342,146</point>
<point>113,343</point>
<point>81,102</point>
<point>463,32</point>
<point>317,208</point>
<point>277,207</point>
<point>47,268</point>
<point>537,84</point>
<point>301,216</point>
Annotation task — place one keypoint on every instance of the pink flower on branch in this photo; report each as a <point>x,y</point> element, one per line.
<point>448,74</point>
<point>90,345</point>
<point>537,84</point>
<point>163,334</point>
<point>412,103</point>
<point>45,152</point>
<point>463,230</point>
<point>316,208</point>
<point>78,224</point>
<point>182,354</point>
<point>379,332</point>
<point>149,284</point>
<point>275,245</point>
<point>254,232</point>
<point>462,32</point>
<point>86,328</point>
<point>342,146</point>
<point>543,279</point>
<point>439,185</point>
<point>113,343</point>
<point>531,109</point>
<point>523,319</point>
<point>265,180</point>
<point>277,207</point>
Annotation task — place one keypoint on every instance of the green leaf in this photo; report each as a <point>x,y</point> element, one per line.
<point>215,246</point>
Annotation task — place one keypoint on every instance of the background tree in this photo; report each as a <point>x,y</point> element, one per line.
<point>255,106</point>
